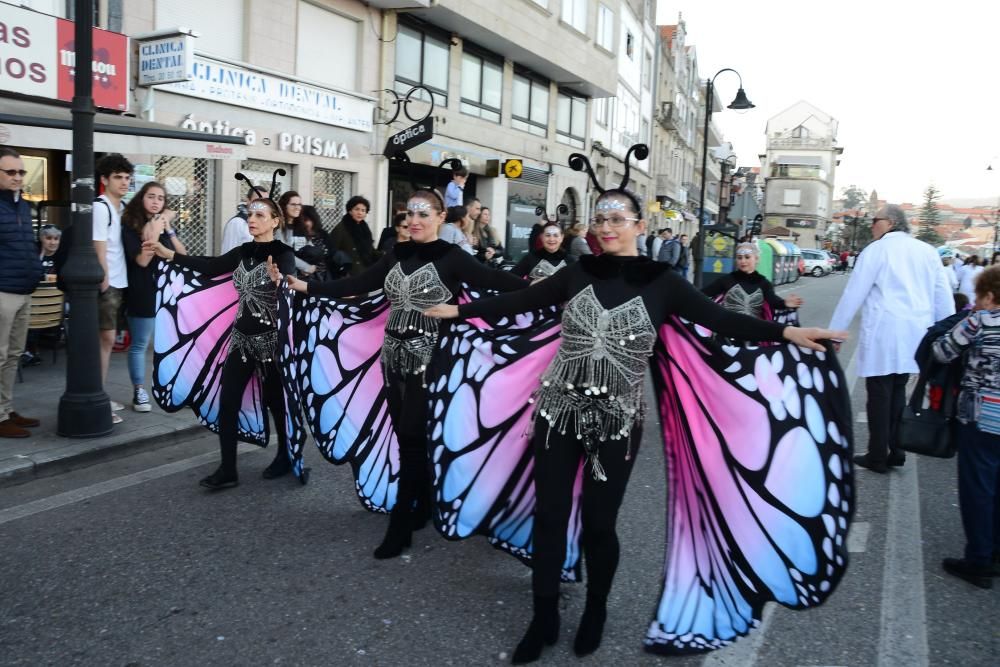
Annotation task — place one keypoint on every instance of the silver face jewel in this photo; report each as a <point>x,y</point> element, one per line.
<point>418,205</point>
<point>610,204</point>
<point>259,206</point>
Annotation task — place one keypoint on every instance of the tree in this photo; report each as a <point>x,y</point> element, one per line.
<point>930,217</point>
<point>854,197</point>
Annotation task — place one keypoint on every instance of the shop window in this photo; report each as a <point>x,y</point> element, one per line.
<point>530,106</point>
<point>422,59</point>
<point>318,26</point>
<point>220,23</point>
<point>571,120</point>
<point>260,173</point>
<point>331,190</point>
<point>482,86</point>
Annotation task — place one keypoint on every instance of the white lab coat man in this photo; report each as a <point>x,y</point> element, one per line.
<point>901,288</point>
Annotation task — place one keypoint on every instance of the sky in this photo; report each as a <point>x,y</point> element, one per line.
<point>913,84</point>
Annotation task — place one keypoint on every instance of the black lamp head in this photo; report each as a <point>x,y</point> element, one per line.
<point>740,102</point>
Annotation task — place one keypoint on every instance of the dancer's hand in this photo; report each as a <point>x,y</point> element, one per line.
<point>809,337</point>
<point>297,285</point>
<point>442,311</point>
<point>794,301</point>
<point>273,271</point>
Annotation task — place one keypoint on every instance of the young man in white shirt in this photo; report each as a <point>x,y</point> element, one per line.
<point>115,172</point>
<point>236,231</point>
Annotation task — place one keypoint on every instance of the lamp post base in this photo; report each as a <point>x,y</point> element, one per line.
<point>84,415</point>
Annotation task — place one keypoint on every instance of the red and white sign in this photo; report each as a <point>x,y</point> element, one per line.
<point>37,58</point>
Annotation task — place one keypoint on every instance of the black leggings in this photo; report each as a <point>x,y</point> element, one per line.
<point>557,459</point>
<point>236,374</point>
<point>407,399</point>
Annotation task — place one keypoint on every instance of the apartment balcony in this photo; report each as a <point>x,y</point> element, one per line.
<point>666,187</point>
<point>532,37</point>
<point>792,142</point>
<point>665,116</point>
<point>399,4</point>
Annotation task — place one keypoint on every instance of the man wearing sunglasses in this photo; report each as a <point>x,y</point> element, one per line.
<point>901,288</point>
<point>20,272</point>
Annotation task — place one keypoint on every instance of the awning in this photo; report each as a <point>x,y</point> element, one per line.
<point>36,125</point>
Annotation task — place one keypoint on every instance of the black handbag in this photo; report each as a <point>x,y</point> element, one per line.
<point>926,431</point>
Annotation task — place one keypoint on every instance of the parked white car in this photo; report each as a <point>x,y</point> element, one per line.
<point>817,263</point>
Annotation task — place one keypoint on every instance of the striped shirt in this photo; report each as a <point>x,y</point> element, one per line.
<point>979,333</point>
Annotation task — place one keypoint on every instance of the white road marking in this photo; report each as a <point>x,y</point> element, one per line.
<point>857,537</point>
<point>743,652</point>
<point>903,627</point>
<point>862,418</point>
<point>109,486</point>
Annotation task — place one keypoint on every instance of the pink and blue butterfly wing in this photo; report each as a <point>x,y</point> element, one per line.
<point>758,443</point>
<point>342,390</point>
<point>480,386</point>
<point>194,320</point>
<point>295,428</point>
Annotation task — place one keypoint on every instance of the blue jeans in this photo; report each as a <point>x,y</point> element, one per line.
<point>141,330</point>
<point>979,492</point>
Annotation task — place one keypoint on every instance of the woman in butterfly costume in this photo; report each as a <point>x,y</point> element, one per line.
<point>722,562</point>
<point>413,275</point>
<point>217,341</point>
<point>543,262</point>
<point>748,292</point>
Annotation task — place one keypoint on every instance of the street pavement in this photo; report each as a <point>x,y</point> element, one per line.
<point>129,562</point>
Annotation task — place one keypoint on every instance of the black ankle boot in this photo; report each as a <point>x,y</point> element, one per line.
<point>588,635</point>
<point>220,480</point>
<point>279,467</point>
<point>542,631</point>
<point>399,536</point>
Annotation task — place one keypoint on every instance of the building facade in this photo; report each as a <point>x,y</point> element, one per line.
<point>511,81</point>
<point>799,169</point>
<point>674,130</point>
<point>626,119</point>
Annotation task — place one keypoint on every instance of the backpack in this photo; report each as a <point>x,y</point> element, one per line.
<point>66,242</point>
<point>942,380</point>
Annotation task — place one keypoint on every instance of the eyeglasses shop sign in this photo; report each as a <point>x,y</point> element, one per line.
<point>294,143</point>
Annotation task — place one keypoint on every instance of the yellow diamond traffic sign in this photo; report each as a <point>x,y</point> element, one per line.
<point>719,243</point>
<point>513,168</point>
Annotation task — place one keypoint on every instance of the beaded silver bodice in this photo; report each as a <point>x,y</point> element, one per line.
<point>593,387</point>
<point>410,336</point>
<point>544,269</point>
<point>258,300</point>
<point>738,301</point>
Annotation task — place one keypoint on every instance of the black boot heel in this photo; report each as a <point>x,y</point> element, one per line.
<point>588,635</point>
<point>542,631</point>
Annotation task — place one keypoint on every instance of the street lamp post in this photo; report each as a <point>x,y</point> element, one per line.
<point>739,102</point>
<point>84,409</point>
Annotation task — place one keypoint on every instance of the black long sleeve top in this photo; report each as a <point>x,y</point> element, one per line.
<point>750,282</point>
<point>257,313</point>
<point>416,276</point>
<point>616,280</point>
<point>453,265</point>
<point>524,267</point>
